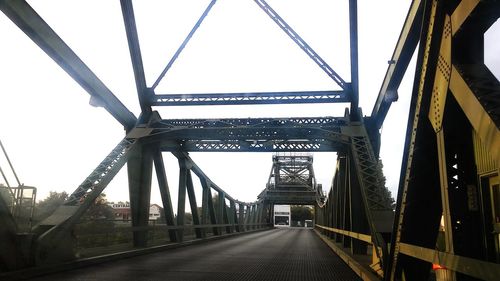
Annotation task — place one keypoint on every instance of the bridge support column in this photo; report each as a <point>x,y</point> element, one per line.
<point>358,221</point>
<point>241,217</point>
<point>271,214</point>
<point>140,169</point>
<point>192,203</point>
<point>165,194</point>
<point>341,195</point>
<point>208,205</point>
<point>220,210</point>
<point>234,218</point>
<point>225,215</point>
<point>260,214</point>
<point>181,202</point>
<point>252,216</point>
<point>248,216</point>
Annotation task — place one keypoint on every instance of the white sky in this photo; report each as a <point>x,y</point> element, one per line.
<point>55,138</point>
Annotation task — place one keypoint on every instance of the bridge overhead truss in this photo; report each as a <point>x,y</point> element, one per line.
<point>292,181</point>
<point>446,210</point>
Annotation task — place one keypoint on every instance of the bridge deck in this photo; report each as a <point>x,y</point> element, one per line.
<point>279,254</point>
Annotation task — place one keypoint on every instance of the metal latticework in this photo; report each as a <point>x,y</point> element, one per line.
<point>105,170</point>
<point>251,98</point>
<point>447,209</point>
<point>301,43</point>
<point>370,174</point>
<point>292,180</point>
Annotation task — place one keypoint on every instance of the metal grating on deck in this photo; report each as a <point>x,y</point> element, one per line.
<point>279,254</point>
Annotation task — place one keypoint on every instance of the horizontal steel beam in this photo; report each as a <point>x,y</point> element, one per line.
<point>360,236</point>
<point>253,146</point>
<point>295,122</point>
<point>406,45</point>
<point>483,270</point>
<point>248,134</point>
<point>252,98</point>
<point>251,134</point>
<point>23,15</point>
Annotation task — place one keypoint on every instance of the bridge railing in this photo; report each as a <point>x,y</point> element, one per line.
<point>338,239</point>
<point>95,237</point>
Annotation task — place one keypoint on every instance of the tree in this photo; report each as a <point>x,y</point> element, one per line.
<point>99,210</point>
<point>5,194</point>
<point>301,213</point>
<point>45,208</point>
<point>386,193</point>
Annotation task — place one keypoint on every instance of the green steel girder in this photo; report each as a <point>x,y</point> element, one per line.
<point>55,229</point>
<point>44,36</point>
<point>405,47</point>
<point>250,134</point>
<point>136,56</point>
<point>251,98</point>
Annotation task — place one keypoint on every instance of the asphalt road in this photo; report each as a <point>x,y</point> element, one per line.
<point>278,254</point>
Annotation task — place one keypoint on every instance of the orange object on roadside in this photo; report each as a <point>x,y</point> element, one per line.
<point>437,266</point>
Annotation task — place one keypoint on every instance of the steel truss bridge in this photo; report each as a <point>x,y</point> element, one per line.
<point>447,209</point>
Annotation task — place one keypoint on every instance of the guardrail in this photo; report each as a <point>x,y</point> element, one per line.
<point>95,239</point>
<point>366,271</point>
<point>441,260</point>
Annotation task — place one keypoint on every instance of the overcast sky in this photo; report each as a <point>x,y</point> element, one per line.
<point>55,138</point>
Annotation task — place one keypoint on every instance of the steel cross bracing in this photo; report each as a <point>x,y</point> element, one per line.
<point>345,95</point>
<point>149,135</point>
<point>452,151</point>
<point>251,98</point>
<point>251,134</point>
<point>54,229</point>
<point>238,216</point>
<point>301,43</point>
<point>450,165</point>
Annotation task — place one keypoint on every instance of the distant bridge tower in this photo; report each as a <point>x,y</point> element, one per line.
<point>292,181</point>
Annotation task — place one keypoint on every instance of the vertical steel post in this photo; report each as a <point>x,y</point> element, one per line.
<point>205,213</point>
<point>220,210</point>
<point>342,195</point>
<point>253,218</point>
<point>225,215</point>
<point>165,194</point>
<point>211,208</point>
<point>234,217</point>
<point>358,218</point>
<point>346,240</point>
<point>181,201</point>
<point>260,213</point>
<point>140,169</point>
<point>241,217</point>
<point>192,203</point>
<point>353,28</point>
